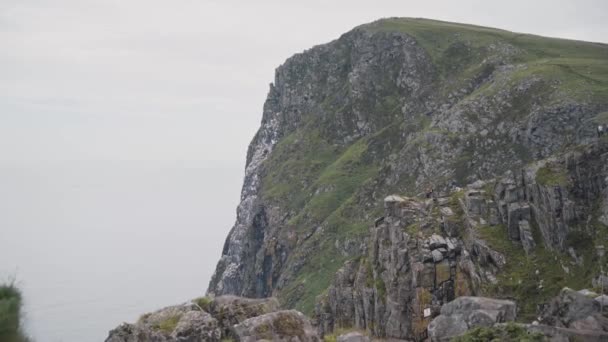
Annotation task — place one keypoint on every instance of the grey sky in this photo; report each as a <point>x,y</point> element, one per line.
<point>185,79</point>
<point>160,80</point>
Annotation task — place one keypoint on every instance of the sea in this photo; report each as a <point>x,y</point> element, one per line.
<point>93,244</point>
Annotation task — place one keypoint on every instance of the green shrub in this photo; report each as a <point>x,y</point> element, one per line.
<point>509,333</point>
<point>551,176</point>
<point>10,314</point>
<point>203,303</point>
<point>168,325</point>
<point>579,240</point>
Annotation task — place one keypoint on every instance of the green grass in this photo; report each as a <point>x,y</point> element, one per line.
<point>203,302</point>
<point>580,69</point>
<point>519,280</point>
<point>509,332</point>
<point>552,175</point>
<point>297,161</point>
<point>341,178</point>
<point>601,118</point>
<point>314,278</point>
<point>168,324</point>
<point>10,314</point>
<point>317,181</point>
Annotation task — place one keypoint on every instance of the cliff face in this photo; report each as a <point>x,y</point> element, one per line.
<point>400,106</point>
<point>523,236</point>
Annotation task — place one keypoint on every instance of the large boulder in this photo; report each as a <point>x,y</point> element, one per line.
<point>231,310</point>
<point>574,310</point>
<point>505,309</point>
<point>569,308</point>
<point>289,325</point>
<point>465,313</point>
<point>205,320</point>
<point>445,327</point>
<point>175,323</point>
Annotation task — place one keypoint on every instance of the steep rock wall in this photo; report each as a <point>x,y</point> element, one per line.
<point>395,106</point>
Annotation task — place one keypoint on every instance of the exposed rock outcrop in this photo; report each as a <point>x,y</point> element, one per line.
<point>559,193</point>
<point>288,325</point>
<point>209,320</point>
<point>574,310</point>
<point>176,323</point>
<point>413,264</point>
<point>231,310</point>
<point>466,313</point>
<point>404,279</point>
<point>571,316</point>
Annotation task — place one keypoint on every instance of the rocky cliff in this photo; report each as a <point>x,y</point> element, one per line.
<point>395,106</point>
<point>522,236</point>
<point>403,106</point>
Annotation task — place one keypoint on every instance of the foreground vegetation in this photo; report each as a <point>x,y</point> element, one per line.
<point>10,314</point>
<point>508,332</point>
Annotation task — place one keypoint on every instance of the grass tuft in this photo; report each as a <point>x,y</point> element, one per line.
<point>168,324</point>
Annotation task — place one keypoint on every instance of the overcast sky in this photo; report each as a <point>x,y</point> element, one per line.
<point>185,80</point>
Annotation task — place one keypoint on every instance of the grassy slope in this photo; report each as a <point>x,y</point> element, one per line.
<point>535,279</point>
<point>317,181</point>
<point>581,67</point>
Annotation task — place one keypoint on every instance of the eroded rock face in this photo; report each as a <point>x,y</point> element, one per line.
<point>287,325</point>
<point>557,192</point>
<point>209,320</point>
<point>255,250</point>
<point>420,117</point>
<point>389,291</point>
<point>413,263</point>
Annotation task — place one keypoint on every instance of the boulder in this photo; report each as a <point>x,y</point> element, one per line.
<point>602,300</point>
<point>506,308</point>
<point>437,241</point>
<point>175,323</point>
<point>465,313</point>
<point>437,255</point>
<point>288,325</point>
<point>231,310</point>
<point>588,293</point>
<point>600,281</point>
<point>197,321</point>
<point>444,328</point>
<point>567,308</point>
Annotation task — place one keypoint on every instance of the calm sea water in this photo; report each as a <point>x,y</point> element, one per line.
<point>95,244</point>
